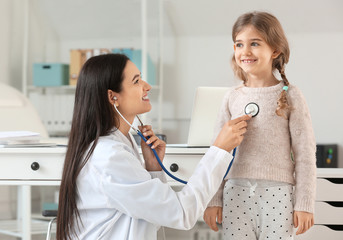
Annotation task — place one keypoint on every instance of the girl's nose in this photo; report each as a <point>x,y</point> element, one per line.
<point>247,50</point>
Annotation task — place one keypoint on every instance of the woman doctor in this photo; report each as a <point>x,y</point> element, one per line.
<point>107,191</point>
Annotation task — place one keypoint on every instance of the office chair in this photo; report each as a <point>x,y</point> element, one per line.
<point>53,214</point>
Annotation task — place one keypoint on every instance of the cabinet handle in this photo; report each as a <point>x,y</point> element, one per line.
<point>174,167</point>
<point>35,166</point>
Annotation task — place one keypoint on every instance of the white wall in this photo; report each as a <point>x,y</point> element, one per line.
<point>191,62</point>
<point>315,67</point>
<point>11,42</point>
<point>5,40</point>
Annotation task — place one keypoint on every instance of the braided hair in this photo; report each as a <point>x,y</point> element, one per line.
<point>271,30</point>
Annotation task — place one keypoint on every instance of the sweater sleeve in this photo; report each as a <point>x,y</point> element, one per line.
<point>223,116</point>
<point>304,152</point>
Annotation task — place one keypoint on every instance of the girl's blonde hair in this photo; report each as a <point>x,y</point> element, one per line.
<point>271,30</point>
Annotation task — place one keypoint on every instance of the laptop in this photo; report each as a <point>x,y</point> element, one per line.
<point>205,110</point>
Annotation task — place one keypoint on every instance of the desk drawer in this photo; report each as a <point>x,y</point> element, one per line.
<point>328,213</point>
<point>322,232</point>
<point>330,189</point>
<point>185,165</point>
<point>18,166</point>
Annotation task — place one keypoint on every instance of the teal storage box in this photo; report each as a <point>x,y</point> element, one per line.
<point>135,56</point>
<point>50,74</point>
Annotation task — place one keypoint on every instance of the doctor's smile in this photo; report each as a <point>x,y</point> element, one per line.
<point>145,98</point>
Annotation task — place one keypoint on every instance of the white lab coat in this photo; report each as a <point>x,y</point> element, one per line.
<point>119,199</point>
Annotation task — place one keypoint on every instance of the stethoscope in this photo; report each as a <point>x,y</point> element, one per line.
<point>250,108</point>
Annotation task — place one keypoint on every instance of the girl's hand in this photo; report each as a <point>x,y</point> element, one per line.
<point>151,163</point>
<point>303,220</point>
<point>213,215</point>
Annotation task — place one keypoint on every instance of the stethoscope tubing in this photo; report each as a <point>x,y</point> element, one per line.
<point>157,157</point>
<point>171,175</point>
<point>160,162</point>
<point>230,165</point>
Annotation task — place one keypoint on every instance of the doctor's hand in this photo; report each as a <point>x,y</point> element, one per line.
<point>232,133</point>
<point>303,221</point>
<point>212,215</point>
<point>151,163</point>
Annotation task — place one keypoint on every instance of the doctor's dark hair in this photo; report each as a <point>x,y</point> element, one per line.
<point>272,32</point>
<point>93,116</point>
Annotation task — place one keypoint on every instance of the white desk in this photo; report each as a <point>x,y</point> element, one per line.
<point>16,170</point>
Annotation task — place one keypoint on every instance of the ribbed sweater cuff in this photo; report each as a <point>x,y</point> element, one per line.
<point>305,204</point>
<point>217,200</point>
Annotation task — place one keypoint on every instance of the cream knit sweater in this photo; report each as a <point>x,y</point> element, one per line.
<point>265,152</point>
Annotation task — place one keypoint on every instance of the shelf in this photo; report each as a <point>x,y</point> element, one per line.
<point>62,87</point>
<point>40,217</point>
<point>66,87</point>
<point>14,227</point>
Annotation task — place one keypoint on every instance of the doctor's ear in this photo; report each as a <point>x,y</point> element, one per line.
<point>112,98</point>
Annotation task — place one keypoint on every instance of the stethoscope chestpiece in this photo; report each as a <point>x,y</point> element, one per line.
<point>252,108</point>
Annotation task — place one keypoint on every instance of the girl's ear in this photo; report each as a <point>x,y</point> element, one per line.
<point>275,54</point>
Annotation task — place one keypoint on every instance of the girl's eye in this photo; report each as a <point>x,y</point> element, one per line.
<point>239,45</point>
<point>255,44</point>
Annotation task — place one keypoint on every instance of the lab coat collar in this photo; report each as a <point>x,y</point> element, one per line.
<point>129,141</point>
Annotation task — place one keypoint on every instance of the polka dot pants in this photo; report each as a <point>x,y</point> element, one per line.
<point>257,213</point>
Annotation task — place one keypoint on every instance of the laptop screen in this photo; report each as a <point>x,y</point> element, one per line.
<point>206,105</point>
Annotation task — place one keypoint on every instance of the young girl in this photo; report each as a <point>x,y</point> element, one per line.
<point>278,151</point>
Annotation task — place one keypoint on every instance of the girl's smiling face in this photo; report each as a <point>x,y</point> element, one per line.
<point>253,54</point>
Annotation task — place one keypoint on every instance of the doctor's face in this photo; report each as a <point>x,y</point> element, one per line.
<point>133,98</point>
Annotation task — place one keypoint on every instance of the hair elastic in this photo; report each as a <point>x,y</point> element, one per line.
<point>285,88</point>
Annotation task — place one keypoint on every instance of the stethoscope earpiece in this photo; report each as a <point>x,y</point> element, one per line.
<point>252,108</point>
